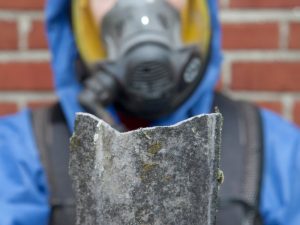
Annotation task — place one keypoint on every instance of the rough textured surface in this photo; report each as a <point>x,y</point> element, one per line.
<point>152,176</point>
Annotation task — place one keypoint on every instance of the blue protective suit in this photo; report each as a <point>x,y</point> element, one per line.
<point>24,191</point>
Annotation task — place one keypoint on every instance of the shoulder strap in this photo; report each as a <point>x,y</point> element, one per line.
<point>52,138</point>
<point>241,161</point>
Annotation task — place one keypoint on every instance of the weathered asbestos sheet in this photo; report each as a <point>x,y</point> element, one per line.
<point>151,176</point>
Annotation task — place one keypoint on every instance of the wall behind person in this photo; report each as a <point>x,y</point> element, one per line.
<point>261,43</point>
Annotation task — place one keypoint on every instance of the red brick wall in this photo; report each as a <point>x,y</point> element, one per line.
<point>25,73</point>
<point>261,54</point>
<point>261,42</point>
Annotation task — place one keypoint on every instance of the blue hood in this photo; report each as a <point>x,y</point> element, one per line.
<point>64,52</point>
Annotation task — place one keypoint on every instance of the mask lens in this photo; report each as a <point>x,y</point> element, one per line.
<point>100,8</point>
<point>194,23</point>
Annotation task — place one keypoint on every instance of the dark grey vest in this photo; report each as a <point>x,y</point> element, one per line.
<point>241,161</point>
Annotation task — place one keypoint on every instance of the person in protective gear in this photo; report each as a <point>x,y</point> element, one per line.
<point>135,64</point>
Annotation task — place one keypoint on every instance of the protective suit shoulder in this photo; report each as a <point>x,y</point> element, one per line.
<point>23,189</point>
<point>280,194</point>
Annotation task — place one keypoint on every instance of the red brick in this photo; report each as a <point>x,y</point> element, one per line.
<point>36,36</point>
<point>22,4</point>
<point>7,108</point>
<point>297,113</point>
<point>294,40</point>
<point>39,104</point>
<point>25,76</point>
<point>276,76</point>
<point>273,106</point>
<point>9,35</point>
<point>264,3</point>
<point>251,36</point>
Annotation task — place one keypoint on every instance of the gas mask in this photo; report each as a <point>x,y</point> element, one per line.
<point>148,71</point>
